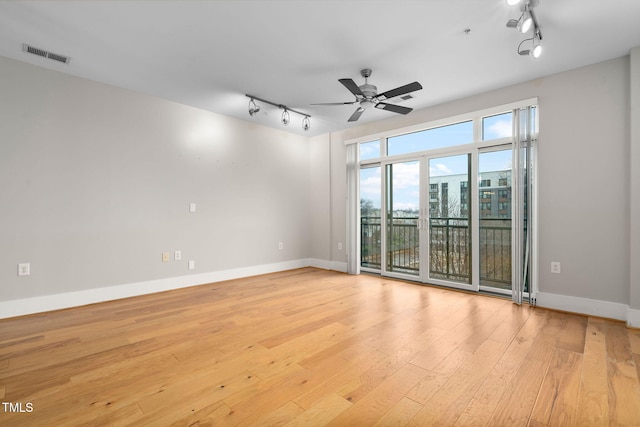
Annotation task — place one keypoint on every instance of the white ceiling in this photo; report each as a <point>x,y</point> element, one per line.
<point>209,54</point>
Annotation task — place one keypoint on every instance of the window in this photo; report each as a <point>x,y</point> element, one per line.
<point>502,182</point>
<point>485,183</point>
<point>369,150</point>
<point>498,126</point>
<point>439,137</point>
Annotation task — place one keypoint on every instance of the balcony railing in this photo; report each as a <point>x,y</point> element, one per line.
<point>449,248</point>
<point>370,241</point>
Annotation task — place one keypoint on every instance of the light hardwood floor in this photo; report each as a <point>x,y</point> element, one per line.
<point>310,347</point>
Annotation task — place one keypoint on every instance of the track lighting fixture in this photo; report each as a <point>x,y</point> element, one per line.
<point>285,119</point>
<point>253,107</point>
<point>526,22</point>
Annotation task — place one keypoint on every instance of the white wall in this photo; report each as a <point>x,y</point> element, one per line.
<point>97,181</point>
<point>583,180</point>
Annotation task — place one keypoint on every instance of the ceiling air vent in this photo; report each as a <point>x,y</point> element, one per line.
<point>45,54</point>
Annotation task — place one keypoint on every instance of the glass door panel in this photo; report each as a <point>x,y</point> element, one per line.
<point>370,218</point>
<point>402,216</point>
<point>494,197</point>
<point>449,213</point>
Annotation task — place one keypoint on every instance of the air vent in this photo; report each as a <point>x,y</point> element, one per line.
<point>45,54</point>
<point>400,98</point>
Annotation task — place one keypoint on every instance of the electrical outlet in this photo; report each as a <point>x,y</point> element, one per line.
<point>177,255</point>
<point>165,256</point>
<point>556,268</point>
<point>192,207</point>
<point>24,269</point>
<point>340,246</point>
<point>280,246</point>
<point>192,265</point>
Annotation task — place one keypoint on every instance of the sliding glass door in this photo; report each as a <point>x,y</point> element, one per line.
<point>427,216</point>
<point>403,222</point>
<point>370,218</point>
<point>495,225</point>
<point>449,231</point>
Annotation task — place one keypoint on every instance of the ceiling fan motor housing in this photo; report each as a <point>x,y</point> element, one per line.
<point>368,90</point>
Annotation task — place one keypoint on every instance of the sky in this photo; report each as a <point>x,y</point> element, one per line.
<point>406,175</point>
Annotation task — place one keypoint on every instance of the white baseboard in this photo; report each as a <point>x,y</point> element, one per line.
<point>610,310</point>
<point>633,318</point>
<point>45,303</point>
<point>328,265</point>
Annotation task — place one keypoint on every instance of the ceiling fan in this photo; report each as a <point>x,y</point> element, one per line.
<point>367,96</point>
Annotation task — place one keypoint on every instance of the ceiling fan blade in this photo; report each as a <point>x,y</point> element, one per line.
<point>395,108</point>
<point>336,103</point>
<point>352,86</point>
<point>411,87</point>
<point>356,115</point>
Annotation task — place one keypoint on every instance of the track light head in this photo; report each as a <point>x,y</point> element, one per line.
<point>306,123</point>
<point>253,107</point>
<point>285,117</point>
<point>536,47</point>
<point>512,23</point>
<point>536,51</point>
<point>526,21</point>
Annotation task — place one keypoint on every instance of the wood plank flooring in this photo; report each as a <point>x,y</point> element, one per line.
<point>310,347</point>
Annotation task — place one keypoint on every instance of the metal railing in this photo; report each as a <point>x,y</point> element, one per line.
<point>370,242</point>
<point>495,253</point>
<point>449,249</point>
<point>449,246</point>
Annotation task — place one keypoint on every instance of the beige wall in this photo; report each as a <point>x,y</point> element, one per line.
<point>97,182</point>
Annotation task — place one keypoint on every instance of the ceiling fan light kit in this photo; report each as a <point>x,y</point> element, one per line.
<point>526,22</point>
<point>367,96</point>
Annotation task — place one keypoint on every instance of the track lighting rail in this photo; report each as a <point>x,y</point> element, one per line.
<point>527,22</point>
<point>254,108</point>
